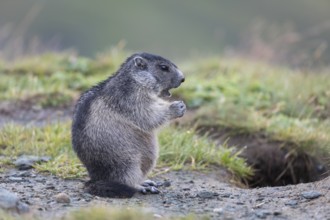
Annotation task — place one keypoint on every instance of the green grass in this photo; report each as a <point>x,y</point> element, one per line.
<point>270,90</point>
<point>52,140</point>
<point>179,149</point>
<point>54,80</point>
<point>182,147</point>
<point>232,95</point>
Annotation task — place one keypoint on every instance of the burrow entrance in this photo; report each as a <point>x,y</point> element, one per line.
<point>275,163</point>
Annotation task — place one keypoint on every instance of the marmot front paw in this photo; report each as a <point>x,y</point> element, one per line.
<point>177,108</point>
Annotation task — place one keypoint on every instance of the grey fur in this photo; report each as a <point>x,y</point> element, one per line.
<point>114,123</point>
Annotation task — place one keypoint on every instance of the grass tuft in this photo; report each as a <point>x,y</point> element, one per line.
<point>181,147</point>
<point>52,140</point>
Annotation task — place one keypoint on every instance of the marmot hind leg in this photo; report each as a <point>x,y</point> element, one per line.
<point>143,186</point>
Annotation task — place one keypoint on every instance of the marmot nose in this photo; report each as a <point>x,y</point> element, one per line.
<point>182,80</point>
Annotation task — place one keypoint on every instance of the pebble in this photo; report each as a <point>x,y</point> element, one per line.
<point>40,179</point>
<point>21,174</point>
<point>26,162</point>
<point>225,195</point>
<point>167,183</point>
<point>277,213</point>
<point>311,194</point>
<point>15,179</point>
<point>218,210</point>
<point>206,194</point>
<point>262,213</point>
<point>62,198</point>
<point>22,207</point>
<point>88,197</point>
<point>10,201</point>
<point>50,186</point>
<point>291,203</point>
<point>158,216</point>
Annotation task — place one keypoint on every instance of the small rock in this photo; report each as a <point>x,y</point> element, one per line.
<point>50,187</point>
<point>218,210</point>
<point>260,199</point>
<point>321,168</point>
<point>10,201</point>
<point>15,179</point>
<point>26,162</point>
<point>62,198</point>
<point>311,194</point>
<point>40,179</point>
<point>231,208</point>
<point>262,213</point>
<point>225,195</point>
<point>206,194</point>
<point>88,197</point>
<point>21,174</point>
<point>291,203</point>
<point>167,183</point>
<point>277,213</point>
<point>192,196</point>
<point>22,207</point>
<point>158,216</point>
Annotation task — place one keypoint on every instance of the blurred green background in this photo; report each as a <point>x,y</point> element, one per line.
<point>294,31</point>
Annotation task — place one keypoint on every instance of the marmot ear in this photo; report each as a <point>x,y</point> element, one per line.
<point>140,62</point>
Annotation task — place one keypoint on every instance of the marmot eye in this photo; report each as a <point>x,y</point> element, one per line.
<point>164,67</point>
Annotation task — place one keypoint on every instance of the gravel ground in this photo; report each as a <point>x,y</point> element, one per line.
<point>209,194</point>
<point>190,192</point>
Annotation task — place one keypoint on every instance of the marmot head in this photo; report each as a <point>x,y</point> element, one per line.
<point>155,73</point>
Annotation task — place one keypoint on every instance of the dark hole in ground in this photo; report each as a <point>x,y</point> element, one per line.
<point>275,163</point>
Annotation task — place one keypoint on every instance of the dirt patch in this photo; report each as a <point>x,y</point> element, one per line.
<point>275,163</point>
<point>27,114</point>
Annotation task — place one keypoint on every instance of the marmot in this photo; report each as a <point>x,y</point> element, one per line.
<point>114,124</point>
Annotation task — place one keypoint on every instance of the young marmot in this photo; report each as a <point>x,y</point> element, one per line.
<point>114,123</point>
